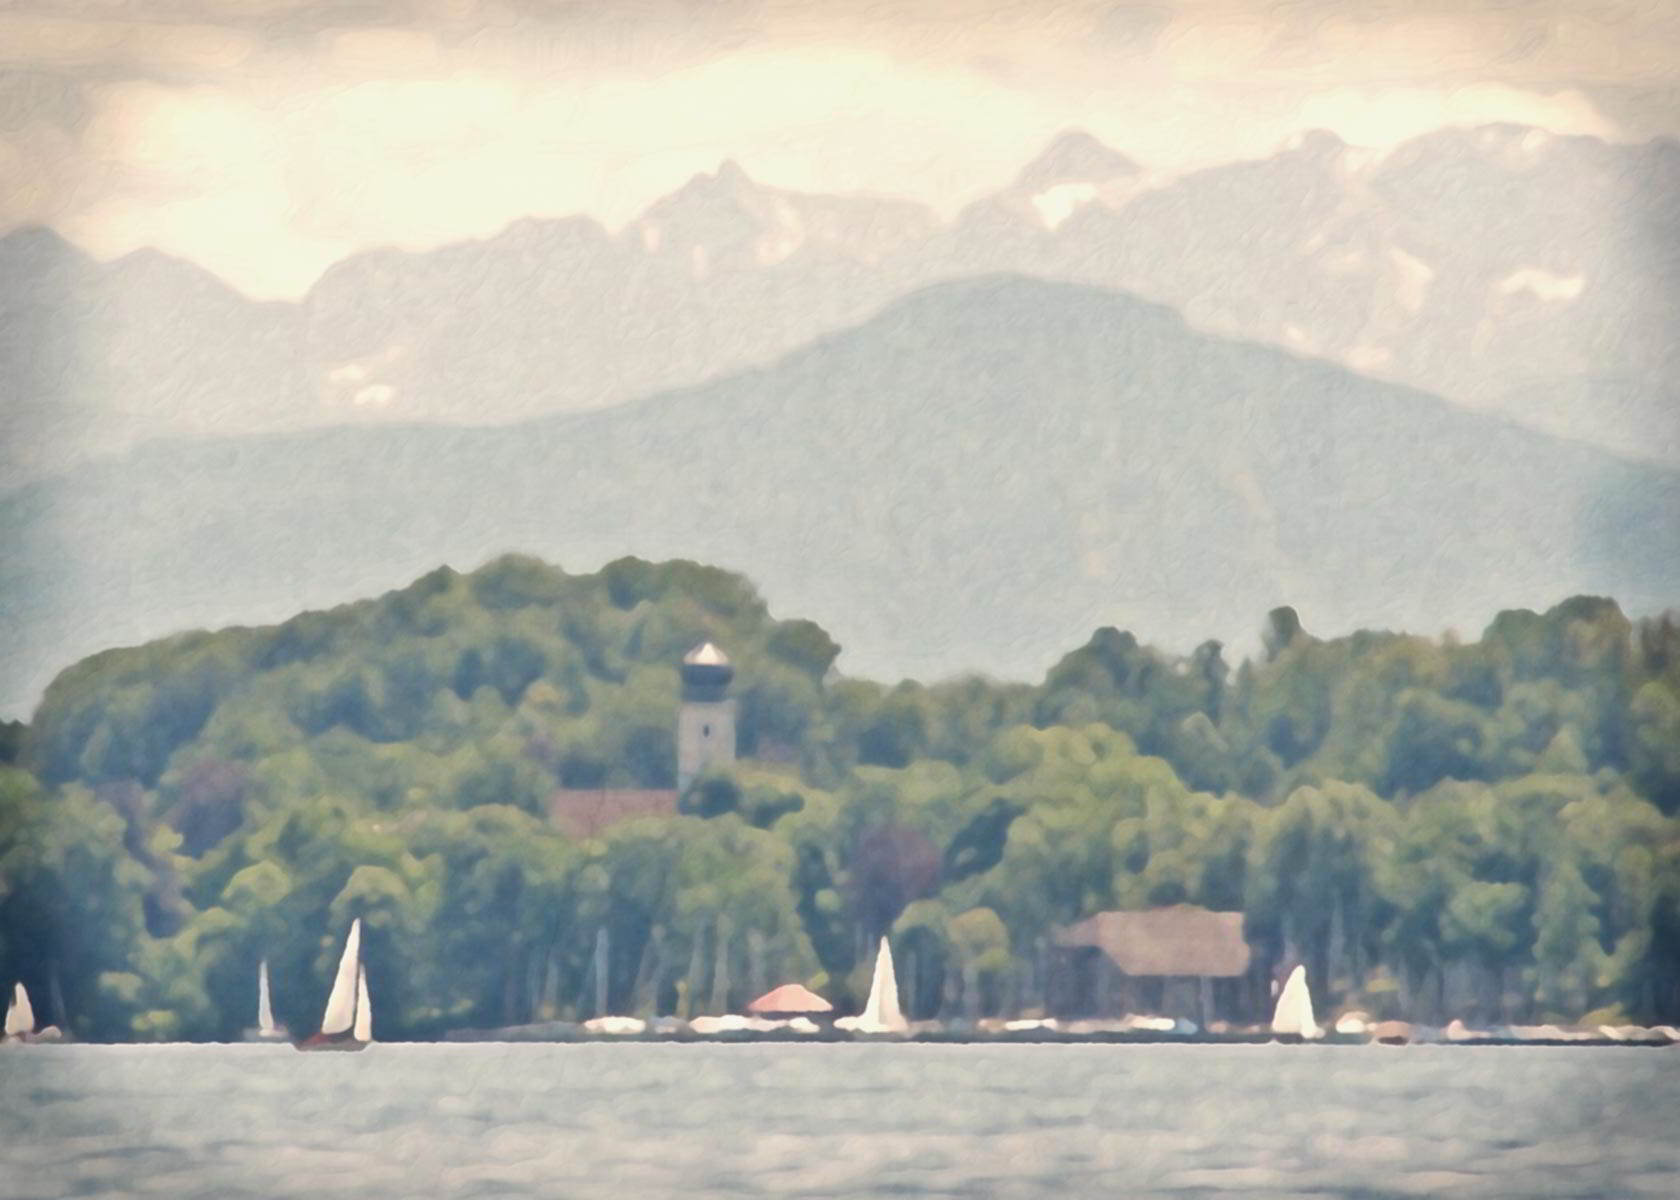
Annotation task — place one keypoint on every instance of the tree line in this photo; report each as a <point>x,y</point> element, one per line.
<point>1434,827</point>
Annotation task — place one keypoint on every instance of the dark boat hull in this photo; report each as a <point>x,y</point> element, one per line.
<point>43,1037</point>
<point>323,1042</point>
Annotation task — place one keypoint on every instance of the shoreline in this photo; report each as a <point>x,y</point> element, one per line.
<point>507,1038</point>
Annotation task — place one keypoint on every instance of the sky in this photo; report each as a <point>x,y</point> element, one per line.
<point>266,139</point>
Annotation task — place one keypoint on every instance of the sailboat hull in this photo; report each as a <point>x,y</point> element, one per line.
<point>45,1037</point>
<point>323,1041</point>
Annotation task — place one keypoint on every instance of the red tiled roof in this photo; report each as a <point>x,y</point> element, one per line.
<point>1180,940</point>
<point>790,998</point>
<point>585,812</point>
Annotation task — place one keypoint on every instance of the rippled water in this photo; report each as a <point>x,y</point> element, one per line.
<point>840,1120</point>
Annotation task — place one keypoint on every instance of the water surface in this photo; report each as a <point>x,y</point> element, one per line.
<point>714,1120</point>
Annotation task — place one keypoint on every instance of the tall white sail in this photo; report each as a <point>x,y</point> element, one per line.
<point>341,1004</point>
<point>265,1014</point>
<point>20,1015</point>
<point>882,1014</point>
<point>1294,1012</point>
<point>364,1008</point>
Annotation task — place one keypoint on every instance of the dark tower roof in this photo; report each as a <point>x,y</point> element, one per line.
<point>706,673</point>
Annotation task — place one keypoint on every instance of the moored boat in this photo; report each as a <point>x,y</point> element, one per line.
<point>266,1030</point>
<point>1293,1016</point>
<point>20,1022</point>
<point>1391,1033</point>
<point>882,1014</point>
<point>347,1023</point>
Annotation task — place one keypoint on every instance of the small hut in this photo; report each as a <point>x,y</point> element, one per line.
<point>1161,960</point>
<point>790,1000</point>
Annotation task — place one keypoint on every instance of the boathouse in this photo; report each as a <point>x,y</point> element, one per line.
<point>1177,961</point>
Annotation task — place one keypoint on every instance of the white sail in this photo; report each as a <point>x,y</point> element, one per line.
<point>265,1014</point>
<point>20,1015</point>
<point>882,1014</point>
<point>341,1004</point>
<point>364,1008</point>
<point>1294,1012</point>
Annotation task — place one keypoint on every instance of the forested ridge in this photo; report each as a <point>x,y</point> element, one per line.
<point>1436,827</point>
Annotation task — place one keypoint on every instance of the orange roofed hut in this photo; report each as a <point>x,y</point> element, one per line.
<point>790,1000</point>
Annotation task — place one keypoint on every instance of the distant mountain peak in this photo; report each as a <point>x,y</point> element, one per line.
<point>730,174</point>
<point>1315,143</point>
<point>1075,156</point>
<point>729,180</point>
<point>150,258</point>
<point>154,273</point>
<point>34,247</point>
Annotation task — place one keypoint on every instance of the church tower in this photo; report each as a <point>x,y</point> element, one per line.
<point>706,720</point>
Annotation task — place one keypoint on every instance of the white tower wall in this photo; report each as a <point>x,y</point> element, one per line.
<point>705,737</point>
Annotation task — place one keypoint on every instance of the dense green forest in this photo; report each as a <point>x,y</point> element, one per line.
<point>1436,828</point>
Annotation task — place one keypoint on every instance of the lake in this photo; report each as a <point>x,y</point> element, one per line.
<point>715,1120</point>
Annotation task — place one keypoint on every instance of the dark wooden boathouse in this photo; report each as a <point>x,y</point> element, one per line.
<point>1178,961</point>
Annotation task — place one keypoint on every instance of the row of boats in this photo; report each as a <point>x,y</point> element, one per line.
<point>347,1021</point>
<point>788,1010</point>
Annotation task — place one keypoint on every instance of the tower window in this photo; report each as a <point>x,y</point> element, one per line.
<point>705,731</point>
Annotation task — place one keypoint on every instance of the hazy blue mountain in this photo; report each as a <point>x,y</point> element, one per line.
<point>1501,267</point>
<point>974,478</point>
<point>94,357</point>
<point>557,315</point>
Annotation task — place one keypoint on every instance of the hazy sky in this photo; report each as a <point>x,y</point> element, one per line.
<point>265,138</point>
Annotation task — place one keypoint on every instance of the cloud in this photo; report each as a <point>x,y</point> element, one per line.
<point>266,137</point>
<point>1383,117</point>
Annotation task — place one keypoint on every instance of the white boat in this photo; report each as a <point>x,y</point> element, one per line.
<point>20,1016</point>
<point>616,1026</point>
<point>20,1022</point>
<point>882,1014</point>
<point>1293,1016</point>
<point>347,1023</point>
<point>266,1030</point>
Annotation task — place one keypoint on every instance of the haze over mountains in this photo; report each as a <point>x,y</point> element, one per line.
<point>974,478</point>
<point>1502,267</point>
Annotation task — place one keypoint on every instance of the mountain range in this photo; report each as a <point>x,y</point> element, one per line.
<point>972,478</point>
<point>1502,267</point>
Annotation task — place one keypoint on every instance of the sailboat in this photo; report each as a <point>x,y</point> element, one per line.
<point>20,1021</point>
<point>266,1030</point>
<point>20,1017</point>
<point>882,1014</point>
<point>1293,1016</point>
<point>347,1023</point>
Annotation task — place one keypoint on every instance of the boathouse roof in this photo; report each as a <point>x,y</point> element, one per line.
<point>586,812</point>
<point>1179,940</point>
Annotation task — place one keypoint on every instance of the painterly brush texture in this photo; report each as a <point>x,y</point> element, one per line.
<point>942,521</point>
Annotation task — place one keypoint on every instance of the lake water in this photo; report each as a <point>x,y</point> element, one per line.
<point>414,1121</point>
